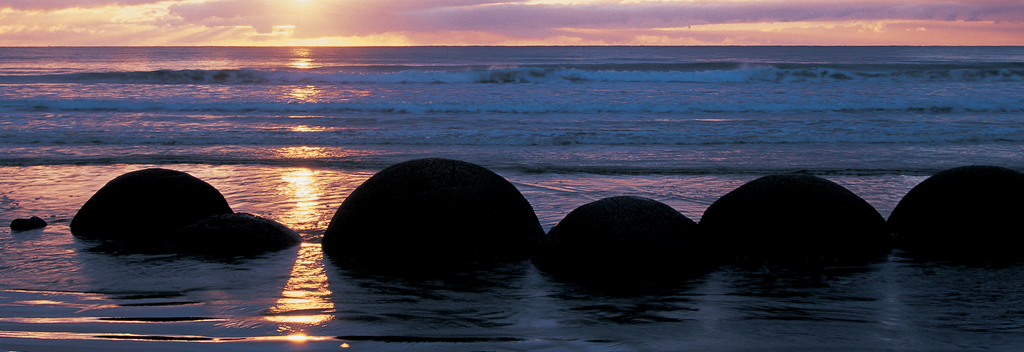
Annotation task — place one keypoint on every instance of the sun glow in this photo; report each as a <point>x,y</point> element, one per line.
<point>635,22</point>
<point>298,338</point>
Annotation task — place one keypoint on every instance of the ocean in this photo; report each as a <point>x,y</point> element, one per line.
<point>288,133</point>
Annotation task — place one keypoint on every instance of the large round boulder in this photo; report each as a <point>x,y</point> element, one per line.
<point>795,218</point>
<point>146,207</point>
<point>969,212</point>
<point>234,234</point>
<point>622,237</point>
<point>432,212</point>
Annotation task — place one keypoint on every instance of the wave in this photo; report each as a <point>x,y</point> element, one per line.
<point>735,133</point>
<point>688,73</point>
<point>697,107</point>
<point>602,160</point>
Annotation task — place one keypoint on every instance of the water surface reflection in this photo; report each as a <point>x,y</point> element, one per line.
<point>304,301</point>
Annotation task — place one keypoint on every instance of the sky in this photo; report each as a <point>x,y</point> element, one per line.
<point>510,22</point>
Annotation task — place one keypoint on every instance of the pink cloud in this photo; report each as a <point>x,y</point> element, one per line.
<point>66,4</point>
<point>516,18</point>
<point>493,21</point>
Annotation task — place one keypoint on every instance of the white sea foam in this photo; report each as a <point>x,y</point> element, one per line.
<point>537,106</point>
<point>624,73</point>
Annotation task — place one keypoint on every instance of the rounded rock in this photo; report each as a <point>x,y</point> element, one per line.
<point>969,212</point>
<point>234,234</point>
<point>622,236</point>
<point>145,207</point>
<point>795,218</point>
<point>32,223</point>
<point>432,212</point>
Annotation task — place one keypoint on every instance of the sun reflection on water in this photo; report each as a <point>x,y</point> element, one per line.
<point>305,297</point>
<point>302,63</point>
<point>302,153</point>
<point>302,59</point>
<point>306,94</point>
<point>303,191</point>
<point>305,300</point>
<point>307,128</point>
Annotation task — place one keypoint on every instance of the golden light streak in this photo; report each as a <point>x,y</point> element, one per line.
<point>298,338</point>
<point>306,94</point>
<point>301,187</point>
<point>306,291</point>
<point>302,64</point>
<point>303,152</point>
<point>305,128</point>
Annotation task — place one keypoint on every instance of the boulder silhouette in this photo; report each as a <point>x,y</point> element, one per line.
<point>233,235</point>
<point>794,218</point>
<point>145,207</point>
<point>31,223</point>
<point>622,237</point>
<point>432,212</point>
<point>969,212</point>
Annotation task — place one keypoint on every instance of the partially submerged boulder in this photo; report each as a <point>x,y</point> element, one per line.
<point>969,212</point>
<point>145,207</point>
<point>794,218</point>
<point>431,212</point>
<point>233,235</point>
<point>28,224</point>
<point>622,237</point>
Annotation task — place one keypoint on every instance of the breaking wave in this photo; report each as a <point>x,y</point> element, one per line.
<point>688,73</point>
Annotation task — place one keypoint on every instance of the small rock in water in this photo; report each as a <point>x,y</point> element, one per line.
<point>232,235</point>
<point>28,224</point>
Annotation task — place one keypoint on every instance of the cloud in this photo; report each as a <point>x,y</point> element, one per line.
<point>523,19</point>
<point>220,22</point>
<point>68,4</point>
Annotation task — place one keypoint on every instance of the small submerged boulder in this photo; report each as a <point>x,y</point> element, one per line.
<point>233,235</point>
<point>622,237</point>
<point>146,207</point>
<point>794,218</point>
<point>28,224</point>
<point>969,212</point>
<point>432,212</point>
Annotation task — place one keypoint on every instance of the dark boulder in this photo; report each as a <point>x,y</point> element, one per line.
<point>432,212</point>
<point>969,212</point>
<point>233,235</point>
<point>622,237</point>
<point>28,224</point>
<point>795,218</point>
<point>145,207</point>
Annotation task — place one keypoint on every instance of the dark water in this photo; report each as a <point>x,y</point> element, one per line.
<point>57,293</point>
